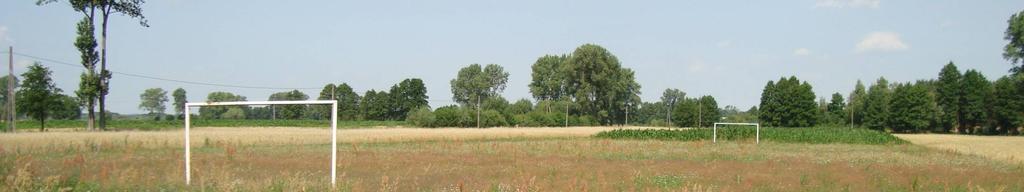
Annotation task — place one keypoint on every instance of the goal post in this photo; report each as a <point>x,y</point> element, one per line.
<point>334,129</point>
<point>714,138</point>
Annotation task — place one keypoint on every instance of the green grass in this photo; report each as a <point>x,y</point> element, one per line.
<point>178,124</point>
<point>817,135</point>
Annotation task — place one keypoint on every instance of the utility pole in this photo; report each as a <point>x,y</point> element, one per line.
<point>10,90</point>
<point>700,112</point>
<point>851,116</point>
<point>477,111</point>
<point>627,114</point>
<point>566,115</point>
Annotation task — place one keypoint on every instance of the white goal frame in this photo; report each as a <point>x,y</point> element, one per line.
<point>334,129</point>
<point>714,138</point>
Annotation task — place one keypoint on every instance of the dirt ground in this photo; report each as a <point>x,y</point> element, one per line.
<point>1008,148</point>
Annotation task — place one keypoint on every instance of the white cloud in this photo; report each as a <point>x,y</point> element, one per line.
<point>724,44</point>
<point>801,52</point>
<point>882,41</point>
<point>847,3</point>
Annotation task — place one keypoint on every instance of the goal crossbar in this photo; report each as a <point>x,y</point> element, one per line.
<point>714,138</point>
<point>334,129</point>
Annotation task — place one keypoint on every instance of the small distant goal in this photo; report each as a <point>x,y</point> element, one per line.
<point>757,138</point>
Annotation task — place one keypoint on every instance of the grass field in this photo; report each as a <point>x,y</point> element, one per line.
<point>500,159</point>
<point>129,124</point>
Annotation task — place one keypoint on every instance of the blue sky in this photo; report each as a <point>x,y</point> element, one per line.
<point>728,49</point>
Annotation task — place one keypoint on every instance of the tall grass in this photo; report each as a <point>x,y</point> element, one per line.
<point>124,124</point>
<point>817,135</point>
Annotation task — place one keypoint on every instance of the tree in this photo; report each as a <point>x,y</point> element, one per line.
<point>88,87</point>
<point>154,101</point>
<point>769,104</point>
<point>855,111</point>
<point>685,113</point>
<point>215,112</point>
<point>406,96</point>
<point>876,106</point>
<point>788,103</point>
<point>974,103</point>
<point>910,108</point>
<point>548,80</point>
<point>348,102</point>
<point>948,93</point>
<point>130,8</point>
<point>67,108</point>
<point>289,111</point>
<point>180,98</point>
<point>38,96</point>
<point>374,105</point>
<point>475,84</point>
<point>1008,105</point>
<point>836,110</point>
<point>1014,50</point>
<point>596,81</point>
<point>707,112</point>
<point>669,98</point>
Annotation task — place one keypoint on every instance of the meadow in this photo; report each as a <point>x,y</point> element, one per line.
<point>149,125</point>
<point>496,159</point>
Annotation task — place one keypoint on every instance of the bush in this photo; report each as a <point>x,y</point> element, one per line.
<point>784,135</point>
<point>492,118</point>
<point>448,116</point>
<point>421,117</point>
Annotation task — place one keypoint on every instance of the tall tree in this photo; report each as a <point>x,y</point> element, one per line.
<point>855,111</point>
<point>769,104</point>
<point>876,106</point>
<point>836,109</point>
<point>374,105</point>
<point>948,93</point>
<point>708,111</point>
<point>910,108</point>
<point>289,111</point>
<point>548,81</point>
<point>686,113</point>
<point>475,84</point>
<point>348,102</point>
<point>88,87</point>
<point>670,97</point>
<point>1008,105</point>
<point>216,112</point>
<point>597,83</point>
<point>974,103</point>
<point>107,8</point>
<point>1014,50</point>
<point>154,100</point>
<point>38,96</point>
<point>407,96</point>
<point>180,98</point>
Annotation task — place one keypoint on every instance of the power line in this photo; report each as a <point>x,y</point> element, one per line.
<point>166,79</point>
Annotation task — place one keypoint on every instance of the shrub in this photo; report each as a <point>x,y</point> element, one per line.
<point>421,117</point>
<point>448,116</point>
<point>492,118</point>
<point>784,135</point>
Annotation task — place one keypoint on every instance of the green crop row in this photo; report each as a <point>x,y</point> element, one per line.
<point>817,135</point>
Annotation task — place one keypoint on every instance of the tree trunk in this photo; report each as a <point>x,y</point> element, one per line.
<point>103,72</point>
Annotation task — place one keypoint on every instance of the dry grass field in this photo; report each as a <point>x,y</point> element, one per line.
<point>1008,148</point>
<point>500,159</point>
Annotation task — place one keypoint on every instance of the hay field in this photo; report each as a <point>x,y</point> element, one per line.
<point>1007,148</point>
<point>503,159</point>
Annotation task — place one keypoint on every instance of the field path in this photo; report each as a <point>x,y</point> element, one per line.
<point>286,135</point>
<point>1007,148</point>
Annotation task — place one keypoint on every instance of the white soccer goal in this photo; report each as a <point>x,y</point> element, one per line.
<point>715,132</point>
<point>334,129</point>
